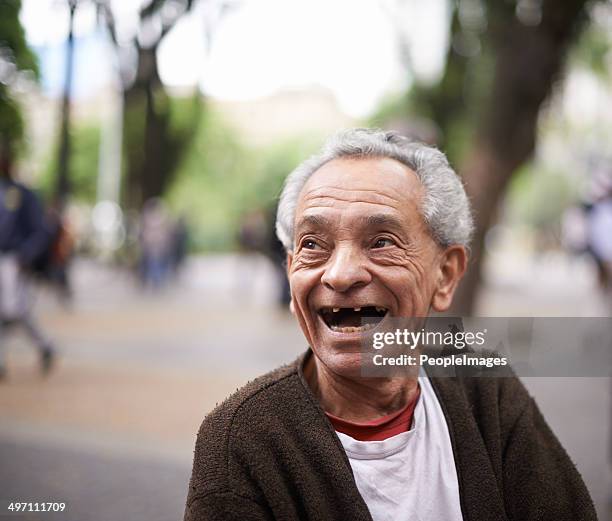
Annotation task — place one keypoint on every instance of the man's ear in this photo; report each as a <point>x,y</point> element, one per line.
<point>453,263</point>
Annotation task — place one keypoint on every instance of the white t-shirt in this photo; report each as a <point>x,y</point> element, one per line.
<point>411,476</point>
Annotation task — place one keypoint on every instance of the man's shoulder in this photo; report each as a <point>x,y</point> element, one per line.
<point>250,407</point>
<point>251,395</point>
<point>242,422</point>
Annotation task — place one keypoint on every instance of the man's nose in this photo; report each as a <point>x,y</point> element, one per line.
<point>346,269</point>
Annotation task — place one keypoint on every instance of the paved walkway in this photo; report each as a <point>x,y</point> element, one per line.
<point>111,431</point>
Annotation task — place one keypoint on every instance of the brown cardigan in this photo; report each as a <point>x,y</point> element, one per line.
<point>268,452</point>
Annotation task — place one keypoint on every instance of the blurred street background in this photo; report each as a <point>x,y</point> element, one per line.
<point>146,142</point>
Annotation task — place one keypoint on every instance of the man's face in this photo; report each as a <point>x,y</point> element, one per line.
<point>361,250</point>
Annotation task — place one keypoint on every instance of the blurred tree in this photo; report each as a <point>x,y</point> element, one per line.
<point>448,103</point>
<point>530,42</point>
<point>502,63</point>
<point>63,161</point>
<point>84,157</point>
<point>210,184</point>
<point>153,142</point>
<point>222,178</point>
<point>15,59</point>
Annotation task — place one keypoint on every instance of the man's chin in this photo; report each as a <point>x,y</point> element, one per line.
<point>343,360</point>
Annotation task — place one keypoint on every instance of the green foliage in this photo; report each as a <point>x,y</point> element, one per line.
<point>275,162</point>
<point>158,132</point>
<point>134,122</point>
<point>220,179</point>
<point>538,196</point>
<point>14,52</point>
<point>213,168</point>
<point>11,120</point>
<point>593,49</point>
<point>13,44</point>
<point>454,104</point>
<point>83,164</point>
<point>390,108</point>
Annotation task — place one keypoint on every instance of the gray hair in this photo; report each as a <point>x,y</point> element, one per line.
<point>445,207</point>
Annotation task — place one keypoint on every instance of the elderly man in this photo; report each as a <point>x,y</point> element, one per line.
<point>377,226</point>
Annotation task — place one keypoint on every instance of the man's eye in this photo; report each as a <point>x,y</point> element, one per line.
<point>383,242</point>
<point>310,244</point>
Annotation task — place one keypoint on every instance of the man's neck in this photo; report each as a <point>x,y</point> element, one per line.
<point>358,399</point>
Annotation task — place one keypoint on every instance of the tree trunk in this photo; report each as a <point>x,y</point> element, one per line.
<point>146,118</point>
<point>153,147</point>
<point>63,162</point>
<point>529,60</point>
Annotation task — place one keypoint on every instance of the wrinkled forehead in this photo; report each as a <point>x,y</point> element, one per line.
<point>361,187</point>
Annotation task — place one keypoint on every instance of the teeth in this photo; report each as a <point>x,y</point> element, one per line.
<point>357,309</point>
<point>352,329</point>
<point>380,310</point>
<point>335,310</point>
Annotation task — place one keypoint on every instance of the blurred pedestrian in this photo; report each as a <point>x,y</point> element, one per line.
<point>52,266</point>
<point>156,232</point>
<point>252,235</point>
<point>252,242</point>
<point>24,237</point>
<point>180,241</point>
<point>257,235</point>
<point>277,255</point>
<point>587,228</point>
<point>599,235</point>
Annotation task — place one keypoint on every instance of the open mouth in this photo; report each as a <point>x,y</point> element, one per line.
<point>353,320</point>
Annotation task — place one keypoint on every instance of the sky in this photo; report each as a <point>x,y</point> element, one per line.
<point>347,46</point>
